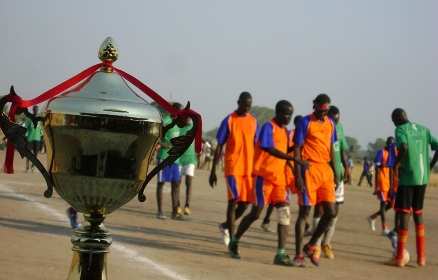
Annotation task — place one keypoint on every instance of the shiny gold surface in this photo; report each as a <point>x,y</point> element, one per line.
<point>98,164</point>
<point>108,51</point>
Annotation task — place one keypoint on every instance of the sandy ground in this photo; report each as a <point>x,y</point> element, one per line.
<point>35,238</point>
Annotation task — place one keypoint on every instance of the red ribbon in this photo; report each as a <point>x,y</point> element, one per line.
<point>18,102</point>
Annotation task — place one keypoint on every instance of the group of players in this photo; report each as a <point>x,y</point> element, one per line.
<point>263,166</point>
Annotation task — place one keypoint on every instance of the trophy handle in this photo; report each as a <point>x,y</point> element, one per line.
<point>16,136</point>
<point>179,145</point>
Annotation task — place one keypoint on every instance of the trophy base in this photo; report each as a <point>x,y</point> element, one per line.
<point>88,266</point>
<point>90,248</point>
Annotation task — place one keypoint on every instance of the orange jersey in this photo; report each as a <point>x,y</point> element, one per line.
<point>269,167</point>
<point>316,138</point>
<point>239,133</point>
<point>384,172</point>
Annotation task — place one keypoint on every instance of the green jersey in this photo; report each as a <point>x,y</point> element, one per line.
<point>171,133</point>
<point>339,145</point>
<point>415,165</point>
<point>33,134</point>
<point>189,156</point>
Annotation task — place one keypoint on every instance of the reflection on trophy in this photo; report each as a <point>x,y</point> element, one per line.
<point>99,135</point>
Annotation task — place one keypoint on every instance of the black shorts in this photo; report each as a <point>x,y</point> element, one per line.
<point>410,196</point>
<point>34,146</point>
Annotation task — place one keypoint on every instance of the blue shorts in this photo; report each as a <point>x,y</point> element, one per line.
<point>169,173</point>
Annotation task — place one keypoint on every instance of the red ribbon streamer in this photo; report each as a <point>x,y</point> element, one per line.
<point>18,102</point>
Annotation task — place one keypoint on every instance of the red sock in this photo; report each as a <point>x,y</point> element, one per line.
<point>374,216</point>
<point>419,231</point>
<point>383,225</point>
<point>402,236</point>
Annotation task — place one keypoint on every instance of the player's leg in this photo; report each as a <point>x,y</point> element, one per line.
<point>403,204</point>
<point>325,246</point>
<point>383,206</point>
<point>417,207</point>
<point>283,212</point>
<point>265,224</point>
<point>161,179</point>
<point>303,213</point>
<point>175,191</point>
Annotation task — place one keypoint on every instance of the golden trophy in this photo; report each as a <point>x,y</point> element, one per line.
<point>99,136</point>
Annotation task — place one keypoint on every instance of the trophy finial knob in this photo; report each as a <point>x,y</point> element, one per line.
<point>108,51</point>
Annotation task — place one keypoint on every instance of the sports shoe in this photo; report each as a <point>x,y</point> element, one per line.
<point>233,249</point>
<point>161,216</point>
<point>385,232</point>
<point>267,227</point>
<point>73,218</point>
<point>283,260</point>
<point>327,250</point>
<point>372,223</point>
<point>421,261</point>
<point>313,253</point>
<point>225,234</point>
<point>179,217</point>
<point>395,262</point>
<point>186,211</point>
<point>393,237</point>
<point>299,262</point>
<point>27,170</point>
<point>178,210</point>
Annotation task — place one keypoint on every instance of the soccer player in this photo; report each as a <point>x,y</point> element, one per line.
<point>239,131</point>
<point>383,183</point>
<point>169,173</point>
<point>314,139</point>
<point>413,142</point>
<point>269,182</point>
<point>340,147</point>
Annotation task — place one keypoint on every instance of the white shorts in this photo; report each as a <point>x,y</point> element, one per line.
<point>188,170</point>
<point>340,193</point>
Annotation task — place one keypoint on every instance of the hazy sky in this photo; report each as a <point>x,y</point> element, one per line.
<point>370,57</point>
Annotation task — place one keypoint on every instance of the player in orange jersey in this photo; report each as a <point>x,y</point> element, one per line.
<point>238,131</point>
<point>314,139</point>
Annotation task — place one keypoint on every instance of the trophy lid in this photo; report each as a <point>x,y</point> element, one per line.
<point>104,93</point>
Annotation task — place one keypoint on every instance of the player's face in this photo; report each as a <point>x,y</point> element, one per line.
<point>320,114</point>
<point>286,115</point>
<point>335,117</point>
<point>244,105</point>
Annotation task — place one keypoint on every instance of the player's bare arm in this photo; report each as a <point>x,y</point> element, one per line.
<point>213,178</point>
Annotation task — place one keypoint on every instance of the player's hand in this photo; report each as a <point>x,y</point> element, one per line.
<point>375,192</point>
<point>304,163</point>
<point>213,179</point>
<point>347,175</point>
<point>299,184</point>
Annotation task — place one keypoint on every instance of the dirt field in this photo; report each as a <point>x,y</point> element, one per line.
<point>35,238</point>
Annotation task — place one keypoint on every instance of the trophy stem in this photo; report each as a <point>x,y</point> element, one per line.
<point>90,247</point>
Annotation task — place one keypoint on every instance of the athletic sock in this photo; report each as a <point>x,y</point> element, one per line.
<point>281,251</point>
<point>330,231</point>
<point>315,222</point>
<point>419,232</point>
<point>401,242</point>
<point>374,216</point>
<point>384,226</point>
